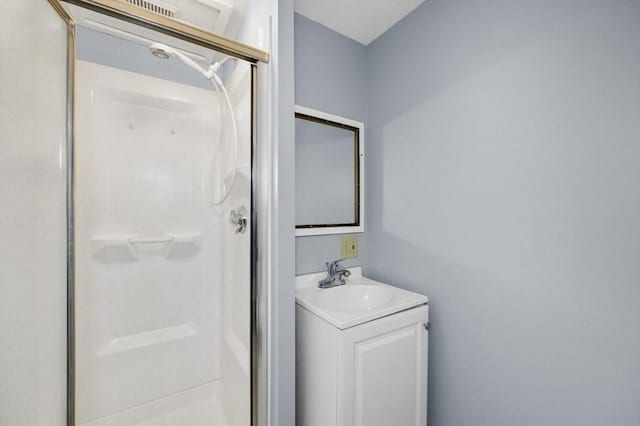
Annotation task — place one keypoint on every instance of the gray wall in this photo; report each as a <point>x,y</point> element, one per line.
<point>330,76</point>
<point>503,153</point>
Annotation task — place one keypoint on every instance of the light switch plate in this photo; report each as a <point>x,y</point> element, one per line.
<point>348,247</point>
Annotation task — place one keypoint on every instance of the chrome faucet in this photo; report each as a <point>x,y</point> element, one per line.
<point>336,275</point>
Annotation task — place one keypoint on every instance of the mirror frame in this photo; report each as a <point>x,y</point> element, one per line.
<point>309,114</point>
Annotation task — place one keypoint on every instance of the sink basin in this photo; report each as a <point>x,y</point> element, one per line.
<point>358,301</point>
<point>353,298</point>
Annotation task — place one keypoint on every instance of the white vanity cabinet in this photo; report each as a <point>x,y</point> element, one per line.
<point>373,373</point>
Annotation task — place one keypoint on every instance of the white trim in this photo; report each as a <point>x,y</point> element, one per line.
<point>330,230</point>
<point>266,213</point>
<point>330,117</point>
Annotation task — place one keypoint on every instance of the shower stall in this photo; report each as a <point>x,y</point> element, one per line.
<point>128,193</point>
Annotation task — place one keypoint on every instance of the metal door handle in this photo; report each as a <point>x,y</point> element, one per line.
<point>239,219</point>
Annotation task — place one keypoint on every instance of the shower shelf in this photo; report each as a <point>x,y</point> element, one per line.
<point>133,248</point>
<point>147,338</point>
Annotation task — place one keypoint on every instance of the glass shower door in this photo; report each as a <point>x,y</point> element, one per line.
<point>162,259</point>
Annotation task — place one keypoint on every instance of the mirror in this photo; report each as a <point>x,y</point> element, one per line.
<point>329,173</point>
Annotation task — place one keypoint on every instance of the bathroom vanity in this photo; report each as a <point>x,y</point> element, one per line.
<point>361,353</point>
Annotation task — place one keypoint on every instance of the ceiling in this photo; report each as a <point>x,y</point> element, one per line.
<point>360,20</point>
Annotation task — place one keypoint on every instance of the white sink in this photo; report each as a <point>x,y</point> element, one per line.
<point>359,300</point>
<point>354,297</point>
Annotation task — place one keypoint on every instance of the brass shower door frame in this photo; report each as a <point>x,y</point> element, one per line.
<point>200,37</point>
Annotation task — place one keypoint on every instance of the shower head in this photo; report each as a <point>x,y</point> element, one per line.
<point>163,51</point>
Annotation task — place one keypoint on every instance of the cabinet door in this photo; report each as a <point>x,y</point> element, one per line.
<point>384,376</point>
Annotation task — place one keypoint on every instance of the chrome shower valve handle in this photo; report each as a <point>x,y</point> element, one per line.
<point>239,219</point>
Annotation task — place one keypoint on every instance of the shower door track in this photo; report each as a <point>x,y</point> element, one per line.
<point>215,42</point>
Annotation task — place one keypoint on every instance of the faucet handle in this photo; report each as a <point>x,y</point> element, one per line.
<point>333,266</point>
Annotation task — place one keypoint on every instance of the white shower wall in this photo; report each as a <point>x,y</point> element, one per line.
<point>162,280</point>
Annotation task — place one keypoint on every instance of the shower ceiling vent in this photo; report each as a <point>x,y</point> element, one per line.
<point>211,15</point>
<point>154,6</point>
